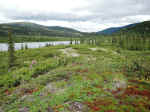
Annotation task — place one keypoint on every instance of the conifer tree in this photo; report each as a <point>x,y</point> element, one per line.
<point>71,41</point>
<point>26,46</point>
<point>11,51</point>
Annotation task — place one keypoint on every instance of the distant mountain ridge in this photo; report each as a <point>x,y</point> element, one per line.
<point>109,31</point>
<point>112,30</point>
<point>27,28</point>
<point>142,28</point>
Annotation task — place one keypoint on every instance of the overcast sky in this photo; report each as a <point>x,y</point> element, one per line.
<point>83,15</point>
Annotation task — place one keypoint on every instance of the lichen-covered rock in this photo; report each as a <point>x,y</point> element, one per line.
<point>115,83</point>
<point>77,107</point>
<point>119,84</point>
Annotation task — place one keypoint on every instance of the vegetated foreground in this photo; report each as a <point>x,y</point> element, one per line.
<point>76,78</point>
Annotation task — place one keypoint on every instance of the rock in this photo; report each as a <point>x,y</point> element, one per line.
<point>116,83</point>
<point>77,107</point>
<point>24,109</point>
<point>1,110</point>
<point>119,84</point>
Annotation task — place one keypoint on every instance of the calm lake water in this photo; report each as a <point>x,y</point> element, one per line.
<point>4,46</point>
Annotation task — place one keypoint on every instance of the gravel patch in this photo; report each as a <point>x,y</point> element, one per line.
<point>70,52</point>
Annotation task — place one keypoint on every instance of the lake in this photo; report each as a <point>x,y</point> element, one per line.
<point>4,46</point>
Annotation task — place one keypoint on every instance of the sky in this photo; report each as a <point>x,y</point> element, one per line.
<point>83,15</point>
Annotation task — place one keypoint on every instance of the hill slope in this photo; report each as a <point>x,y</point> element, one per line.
<point>27,28</point>
<point>109,30</point>
<point>139,28</point>
<point>112,30</point>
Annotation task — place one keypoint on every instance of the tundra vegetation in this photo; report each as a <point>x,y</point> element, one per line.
<point>94,74</point>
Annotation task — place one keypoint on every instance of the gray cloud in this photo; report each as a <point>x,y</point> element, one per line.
<point>50,16</point>
<point>96,11</point>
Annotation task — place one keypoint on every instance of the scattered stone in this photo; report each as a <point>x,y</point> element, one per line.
<point>118,87</point>
<point>119,84</point>
<point>1,110</point>
<point>77,107</point>
<point>24,109</point>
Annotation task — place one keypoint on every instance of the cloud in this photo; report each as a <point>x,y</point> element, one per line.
<point>84,15</point>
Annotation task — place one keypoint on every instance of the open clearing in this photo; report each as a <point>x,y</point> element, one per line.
<point>74,78</point>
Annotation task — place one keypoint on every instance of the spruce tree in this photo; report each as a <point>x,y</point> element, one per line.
<point>71,41</point>
<point>11,51</point>
<point>26,46</point>
<point>22,47</point>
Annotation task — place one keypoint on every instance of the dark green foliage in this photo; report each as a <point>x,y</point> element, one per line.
<point>82,40</point>
<point>25,38</point>
<point>89,41</point>
<point>132,42</point>
<point>139,69</point>
<point>62,61</point>
<point>71,41</point>
<point>22,47</point>
<point>48,44</point>
<point>142,28</point>
<point>76,42</point>
<point>26,46</point>
<point>135,37</point>
<point>11,51</point>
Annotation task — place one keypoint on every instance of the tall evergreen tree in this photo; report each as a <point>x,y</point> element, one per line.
<point>11,50</point>
<point>71,41</point>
